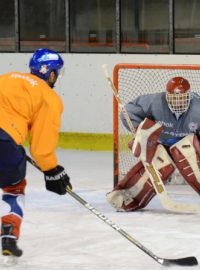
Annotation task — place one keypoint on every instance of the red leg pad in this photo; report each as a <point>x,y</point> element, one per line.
<point>186,155</point>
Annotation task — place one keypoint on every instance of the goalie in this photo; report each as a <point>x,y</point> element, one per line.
<point>167,126</point>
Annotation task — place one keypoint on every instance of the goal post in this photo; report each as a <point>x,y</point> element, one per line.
<point>131,81</point>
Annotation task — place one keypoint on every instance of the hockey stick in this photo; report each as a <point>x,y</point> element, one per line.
<point>186,261</point>
<point>156,181</point>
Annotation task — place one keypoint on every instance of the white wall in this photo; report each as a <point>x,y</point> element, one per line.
<point>85,93</point>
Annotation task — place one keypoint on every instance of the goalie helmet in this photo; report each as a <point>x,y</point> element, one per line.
<point>44,61</point>
<point>178,95</point>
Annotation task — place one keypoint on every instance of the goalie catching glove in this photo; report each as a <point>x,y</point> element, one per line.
<point>57,180</point>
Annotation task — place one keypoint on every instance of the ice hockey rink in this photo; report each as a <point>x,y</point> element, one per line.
<point>58,233</point>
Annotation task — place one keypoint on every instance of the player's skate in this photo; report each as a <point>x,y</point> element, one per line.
<point>9,245</point>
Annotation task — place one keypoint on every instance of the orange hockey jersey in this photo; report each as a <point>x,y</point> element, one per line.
<point>29,105</point>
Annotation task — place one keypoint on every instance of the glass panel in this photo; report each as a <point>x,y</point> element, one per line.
<point>187,26</point>
<point>42,24</point>
<point>145,26</point>
<point>92,25</point>
<point>7,26</point>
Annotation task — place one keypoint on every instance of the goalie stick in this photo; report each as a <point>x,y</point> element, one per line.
<point>156,181</point>
<point>186,261</point>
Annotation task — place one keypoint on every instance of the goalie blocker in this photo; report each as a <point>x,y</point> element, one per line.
<point>135,190</point>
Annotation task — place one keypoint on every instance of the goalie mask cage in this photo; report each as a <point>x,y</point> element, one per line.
<point>131,81</point>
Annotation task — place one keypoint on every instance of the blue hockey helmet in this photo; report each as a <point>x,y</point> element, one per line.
<point>44,61</point>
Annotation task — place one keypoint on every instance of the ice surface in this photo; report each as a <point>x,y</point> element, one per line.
<point>59,233</point>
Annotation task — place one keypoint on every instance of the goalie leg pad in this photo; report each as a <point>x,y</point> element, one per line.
<point>135,191</point>
<point>186,155</point>
<point>146,140</point>
<point>163,163</point>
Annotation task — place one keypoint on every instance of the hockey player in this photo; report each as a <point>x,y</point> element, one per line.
<point>168,125</point>
<point>28,104</point>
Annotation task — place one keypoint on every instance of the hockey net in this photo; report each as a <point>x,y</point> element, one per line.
<point>131,81</point>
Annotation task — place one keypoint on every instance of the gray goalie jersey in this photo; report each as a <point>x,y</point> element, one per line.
<point>155,107</point>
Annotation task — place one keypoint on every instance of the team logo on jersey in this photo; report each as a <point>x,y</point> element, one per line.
<point>193,126</point>
<point>24,77</point>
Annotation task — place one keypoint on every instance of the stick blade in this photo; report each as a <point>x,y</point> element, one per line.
<point>188,261</point>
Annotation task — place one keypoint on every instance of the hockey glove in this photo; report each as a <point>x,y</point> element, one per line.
<point>57,180</point>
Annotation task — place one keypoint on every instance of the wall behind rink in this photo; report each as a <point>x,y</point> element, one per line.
<point>85,92</point>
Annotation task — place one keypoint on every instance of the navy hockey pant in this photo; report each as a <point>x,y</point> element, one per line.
<point>12,161</point>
